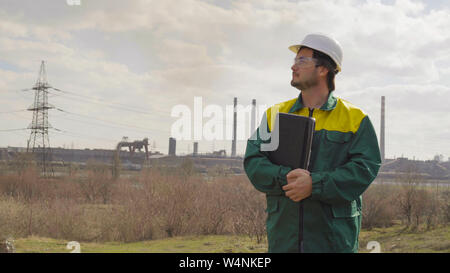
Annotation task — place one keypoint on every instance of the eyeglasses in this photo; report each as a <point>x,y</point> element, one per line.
<point>305,61</point>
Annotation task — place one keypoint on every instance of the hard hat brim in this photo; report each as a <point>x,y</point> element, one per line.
<point>294,48</point>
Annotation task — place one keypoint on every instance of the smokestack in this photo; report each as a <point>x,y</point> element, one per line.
<point>172,146</point>
<point>233,144</point>
<point>195,148</point>
<point>382,129</point>
<point>253,119</point>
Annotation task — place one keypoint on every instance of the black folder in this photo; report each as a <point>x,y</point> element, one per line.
<point>295,134</point>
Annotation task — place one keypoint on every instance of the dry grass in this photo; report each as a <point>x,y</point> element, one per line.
<point>95,206</point>
<point>410,203</point>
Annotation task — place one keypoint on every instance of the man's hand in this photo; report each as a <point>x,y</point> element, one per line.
<point>294,174</point>
<point>299,185</point>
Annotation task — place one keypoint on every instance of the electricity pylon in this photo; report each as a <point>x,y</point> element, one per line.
<point>39,141</point>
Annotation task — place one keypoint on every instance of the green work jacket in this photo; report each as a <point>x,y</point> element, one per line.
<point>345,159</point>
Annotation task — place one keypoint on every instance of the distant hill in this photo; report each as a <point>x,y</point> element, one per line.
<point>430,169</point>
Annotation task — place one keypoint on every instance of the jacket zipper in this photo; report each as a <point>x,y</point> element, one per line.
<point>300,232</point>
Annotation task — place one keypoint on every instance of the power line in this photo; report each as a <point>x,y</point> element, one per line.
<point>90,99</point>
<point>110,104</point>
<point>118,124</point>
<point>142,129</point>
<point>13,111</point>
<point>99,124</point>
<point>83,135</point>
<point>11,130</point>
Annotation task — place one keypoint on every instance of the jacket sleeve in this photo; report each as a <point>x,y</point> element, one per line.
<point>349,181</point>
<point>265,176</point>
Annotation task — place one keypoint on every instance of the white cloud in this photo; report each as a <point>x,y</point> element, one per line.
<point>219,50</point>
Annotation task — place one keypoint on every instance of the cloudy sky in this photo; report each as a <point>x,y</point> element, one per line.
<point>124,65</point>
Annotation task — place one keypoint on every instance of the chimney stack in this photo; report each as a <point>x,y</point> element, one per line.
<point>195,149</point>
<point>233,144</point>
<point>253,118</point>
<point>172,146</point>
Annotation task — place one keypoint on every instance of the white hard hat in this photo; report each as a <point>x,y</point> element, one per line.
<point>324,44</point>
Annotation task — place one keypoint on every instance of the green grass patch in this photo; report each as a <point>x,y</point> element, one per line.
<point>185,244</point>
<point>395,239</point>
<point>398,239</point>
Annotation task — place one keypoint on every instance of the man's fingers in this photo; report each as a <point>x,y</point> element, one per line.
<point>297,172</point>
<point>290,194</point>
<point>287,187</point>
<point>303,171</point>
<point>293,173</point>
<point>294,197</point>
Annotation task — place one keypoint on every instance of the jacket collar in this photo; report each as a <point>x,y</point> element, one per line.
<point>329,105</point>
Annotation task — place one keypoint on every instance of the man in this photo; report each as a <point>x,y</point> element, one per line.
<point>319,209</point>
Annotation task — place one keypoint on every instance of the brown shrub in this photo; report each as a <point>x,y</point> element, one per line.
<point>378,207</point>
<point>99,183</point>
<point>248,210</point>
<point>445,197</point>
<point>420,204</point>
<point>91,205</point>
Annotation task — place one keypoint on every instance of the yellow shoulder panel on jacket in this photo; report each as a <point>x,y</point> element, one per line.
<point>346,117</point>
<point>282,107</point>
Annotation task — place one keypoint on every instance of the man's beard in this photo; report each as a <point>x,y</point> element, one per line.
<point>305,84</point>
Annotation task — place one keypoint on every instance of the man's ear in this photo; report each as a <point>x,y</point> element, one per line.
<point>323,70</point>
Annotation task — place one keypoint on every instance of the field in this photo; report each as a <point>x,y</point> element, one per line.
<point>397,239</point>
<point>392,240</point>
